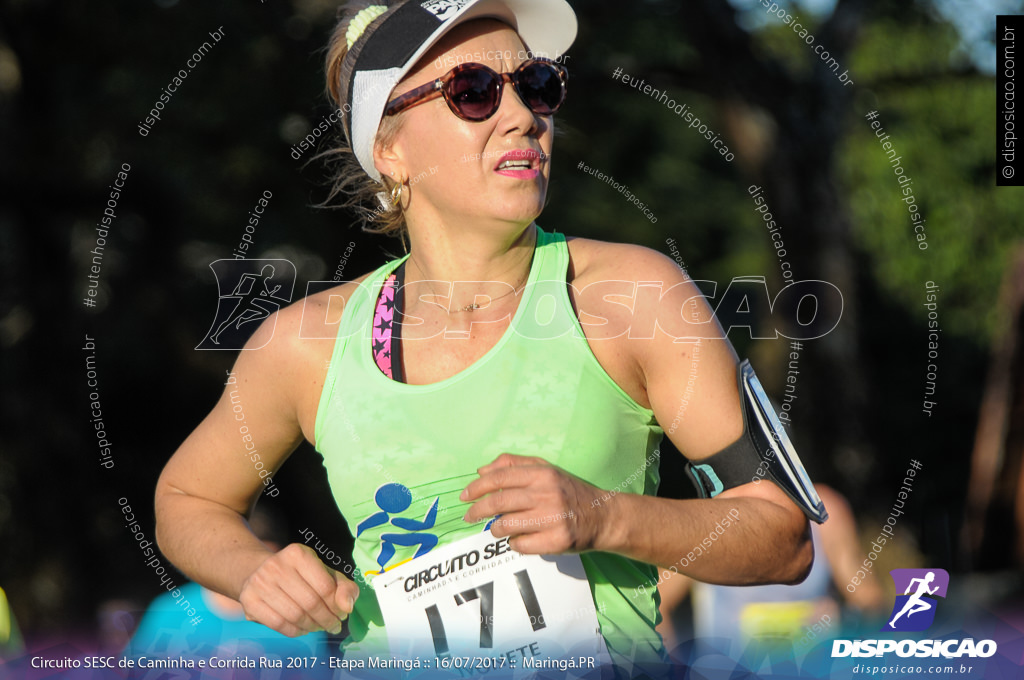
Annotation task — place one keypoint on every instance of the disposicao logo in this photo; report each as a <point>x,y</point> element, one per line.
<point>914,610</point>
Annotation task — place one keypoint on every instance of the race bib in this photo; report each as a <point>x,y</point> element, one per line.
<point>478,598</point>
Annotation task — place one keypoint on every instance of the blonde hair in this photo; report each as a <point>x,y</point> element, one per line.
<point>350,186</point>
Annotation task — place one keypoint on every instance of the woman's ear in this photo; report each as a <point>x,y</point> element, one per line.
<point>388,161</point>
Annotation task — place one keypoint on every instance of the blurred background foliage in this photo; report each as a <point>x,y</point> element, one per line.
<point>76,79</point>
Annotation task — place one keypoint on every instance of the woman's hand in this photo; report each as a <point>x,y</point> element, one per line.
<point>295,593</point>
<point>544,508</point>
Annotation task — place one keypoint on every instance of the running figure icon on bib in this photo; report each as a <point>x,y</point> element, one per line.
<point>392,499</point>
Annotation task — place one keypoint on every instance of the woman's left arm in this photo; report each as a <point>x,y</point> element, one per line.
<point>770,542</point>
<point>750,534</point>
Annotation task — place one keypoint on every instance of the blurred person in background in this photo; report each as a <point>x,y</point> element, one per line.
<point>11,644</point>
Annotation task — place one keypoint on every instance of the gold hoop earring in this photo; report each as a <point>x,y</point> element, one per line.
<point>396,194</point>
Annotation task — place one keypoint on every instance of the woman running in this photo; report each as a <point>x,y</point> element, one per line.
<point>493,396</point>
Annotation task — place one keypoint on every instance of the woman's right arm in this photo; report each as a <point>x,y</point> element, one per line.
<point>213,481</point>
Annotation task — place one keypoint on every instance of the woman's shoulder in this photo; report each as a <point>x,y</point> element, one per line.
<point>305,329</point>
<point>594,261</point>
<point>325,306</point>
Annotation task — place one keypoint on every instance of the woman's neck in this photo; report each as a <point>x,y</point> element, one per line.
<point>455,270</point>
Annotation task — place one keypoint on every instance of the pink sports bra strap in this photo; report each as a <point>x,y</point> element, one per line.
<point>387,337</point>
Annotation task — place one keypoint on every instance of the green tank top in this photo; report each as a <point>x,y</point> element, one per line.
<point>394,450</point>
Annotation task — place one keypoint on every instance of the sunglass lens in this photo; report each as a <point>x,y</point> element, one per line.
<point>475,93</point>
<point>541,88</point>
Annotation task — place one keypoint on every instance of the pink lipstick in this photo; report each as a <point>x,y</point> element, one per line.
<point>520,163</point>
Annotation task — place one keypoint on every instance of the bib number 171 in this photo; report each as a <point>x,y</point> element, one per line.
<point>477,597</point>
<point>484,593</point>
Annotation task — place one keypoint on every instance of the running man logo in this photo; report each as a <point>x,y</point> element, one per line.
<point>394,498</point>
<point>443,9</point>
<point>914,610</point>
<point>249,291</point>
